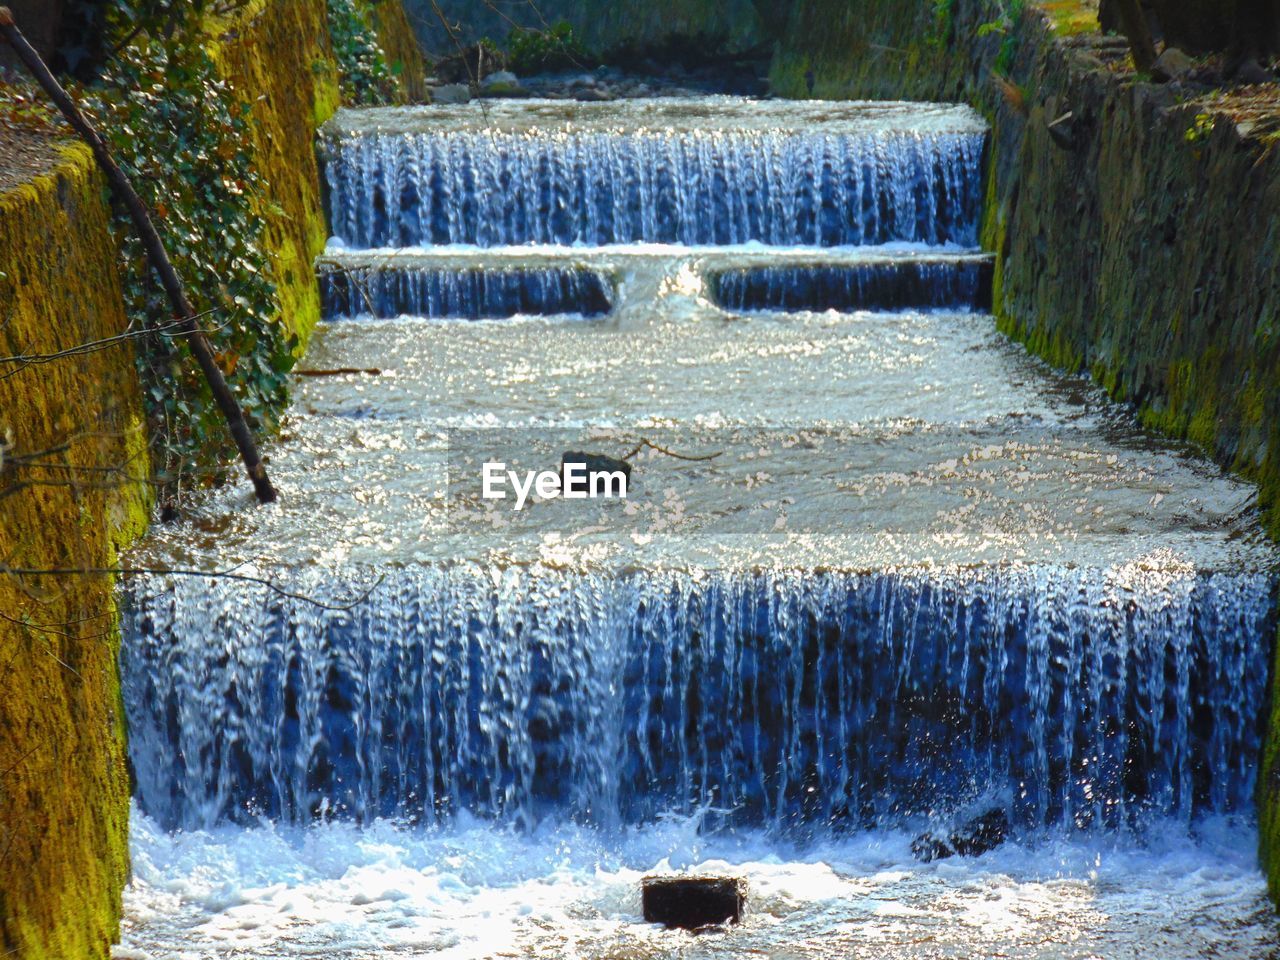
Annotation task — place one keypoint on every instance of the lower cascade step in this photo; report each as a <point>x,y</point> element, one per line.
<point>464,294</point>
<point>963,285</point>
<point>795,701</point>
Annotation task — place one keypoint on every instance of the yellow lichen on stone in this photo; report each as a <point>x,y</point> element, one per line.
<point>74,490</point>
<point>1070,18</point>
<point>398,42</point>
<point>269,53</point>
<point>278,57</point>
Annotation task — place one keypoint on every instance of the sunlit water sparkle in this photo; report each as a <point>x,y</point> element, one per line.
<point>1001,540</point>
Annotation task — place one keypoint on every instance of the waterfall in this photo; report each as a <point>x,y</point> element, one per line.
<point>692,187</point>
<point>389,292</point>
<point>1079,697</point>
<point>957,285</point>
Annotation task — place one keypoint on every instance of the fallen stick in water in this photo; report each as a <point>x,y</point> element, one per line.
<point>670,453</point>
<point>183,312</point>
<point>338,372</point>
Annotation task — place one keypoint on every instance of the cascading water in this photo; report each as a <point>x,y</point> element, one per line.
<point>832,699</point>
<point>920,578</point>
<point>771,177</point>
<point>462,294</point>
<point>894,285</point>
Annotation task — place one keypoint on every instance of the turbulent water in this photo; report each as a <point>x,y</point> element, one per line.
<point>470,890</point>
<point>799,701</point>
<point>915,576</point>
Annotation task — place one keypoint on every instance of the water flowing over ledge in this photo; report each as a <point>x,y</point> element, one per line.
<point>957,285</point>
<point>923,577</point>
<point>825,701</point>
<point>604,175</point>
<point>388,292</point>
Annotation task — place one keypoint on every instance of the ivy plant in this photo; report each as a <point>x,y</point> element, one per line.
<point>556,48</point>
<point>183,136</point>
<point>364,75</point>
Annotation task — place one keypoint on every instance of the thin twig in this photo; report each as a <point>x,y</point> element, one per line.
<point>670,453</point>
<point>338,372</point>
<point>25,360</point>
<point>177,572</point>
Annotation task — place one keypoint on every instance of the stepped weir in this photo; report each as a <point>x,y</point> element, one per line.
<point>912,575</point>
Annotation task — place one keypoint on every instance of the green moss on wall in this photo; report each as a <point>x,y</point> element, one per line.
<point>400,44</point>
<point>73,491</point>
<point>74,482</point>
<point>276,55</point>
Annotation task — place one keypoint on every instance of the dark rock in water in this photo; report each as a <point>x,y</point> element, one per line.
<point>981,834</point>
<point>504,91</point>
<point>927,848</point>
<point>452,93</point>
<point>971,839</point>
<point>592,94</point>
<point>471,65</point>
<point>693,902</point>
<point>1251,72</point>
<point>595,463</point>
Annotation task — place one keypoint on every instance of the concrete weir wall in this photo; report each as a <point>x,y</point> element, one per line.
<point>73,477</point>
<point>1141,245</point>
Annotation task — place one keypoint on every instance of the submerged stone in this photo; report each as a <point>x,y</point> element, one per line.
<point>973,838</point>
<point>596,463</point>
<point>504,83</point>
<point>690,903</point>
<point>452,93</point>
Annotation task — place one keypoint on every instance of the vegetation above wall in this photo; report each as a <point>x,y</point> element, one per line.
<point>365,76</point>
<point>182,135</point>
<point>187,138</point>
<point>615,31</point>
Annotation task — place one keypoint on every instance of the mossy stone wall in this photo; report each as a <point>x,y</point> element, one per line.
<point>400,44</point>
<point>71,493</point>
<point>73,479</point>
<point>276,54</point>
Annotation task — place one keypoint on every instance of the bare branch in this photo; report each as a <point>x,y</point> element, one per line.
<point>179,572</point>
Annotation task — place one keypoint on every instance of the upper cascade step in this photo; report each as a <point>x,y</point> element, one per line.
<point>718,171</point>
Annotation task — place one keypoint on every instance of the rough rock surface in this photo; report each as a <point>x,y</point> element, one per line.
<point>75,452</point>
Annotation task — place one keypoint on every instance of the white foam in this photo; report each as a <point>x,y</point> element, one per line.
<point>473,890</point>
